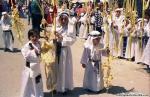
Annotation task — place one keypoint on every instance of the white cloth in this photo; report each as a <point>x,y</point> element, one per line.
<point>65,68</point>
<point>93,76</point>
<point>130,48</point>
<point>125,33</point>
<point>114,41</point>
<point>83,32</point>
<point>138,48</point>
<point>7,34</point>
<point>147,29</point>
<point>6,23</point>
<point>118,21</point>
<point>72,24</point>
<point>30,87</point>
<point>8,41</point>
<point>109,35</point>
<point>146,54</point>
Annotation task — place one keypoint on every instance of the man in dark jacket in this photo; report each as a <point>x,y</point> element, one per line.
<point>36,14</point>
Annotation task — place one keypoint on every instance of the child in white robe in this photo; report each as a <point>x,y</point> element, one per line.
<point>91,61</point>
<point>140,36</point>
<point>83,32</point>
<point>8,38</point>
<point>146,54</point>
<point>31,79</point>
<point>66,37</point>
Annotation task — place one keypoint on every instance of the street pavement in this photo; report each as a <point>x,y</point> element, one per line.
<point>130,79</point>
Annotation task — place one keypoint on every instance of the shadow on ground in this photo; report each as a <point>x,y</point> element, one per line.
<point>1,48</point>
<point>16,50</point>
<point>75,93</point>
<point>144,68</point>
<point>147,70</point>
<point>114,90</point>
<point>117,90</point>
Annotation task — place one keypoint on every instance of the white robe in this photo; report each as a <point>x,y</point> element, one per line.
<point>83,31</point>
<point>91,20</point>
<point>110,37</point>
<point>117,21</point>
<point>130,48</point>
<point>125,33</point>
<point>114,42</point>
<point>146,54</point>
<point>65,68</point>
<point>133,48</point>
<point>138,49</point>
<point>93,76</point>
<point>31,87</point>
<point>106,30</point>
<point>7,33</point>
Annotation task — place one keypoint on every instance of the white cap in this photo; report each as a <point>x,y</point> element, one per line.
<point>140,19</point>
<point>4,13</point>
<point>95,34</point>
<point>104,1</point>
<point>82,14</point>
<point>64,13</point>
<point>118,9</point>
<point>50,10</point>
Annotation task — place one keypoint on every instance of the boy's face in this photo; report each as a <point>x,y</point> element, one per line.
<point>147,17</point>
<point>96,41</point>
<point>5,15</point>
<point>34,38</point>
<point>118,13</point>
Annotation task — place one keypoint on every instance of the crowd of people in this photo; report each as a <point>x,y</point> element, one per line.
<point>111,30</point>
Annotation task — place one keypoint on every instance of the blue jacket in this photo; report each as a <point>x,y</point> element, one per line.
<point>35,7</point>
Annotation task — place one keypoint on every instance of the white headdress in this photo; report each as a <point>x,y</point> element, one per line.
<point>4,13</point>
<point>64,13</point>
<point>140,20</point>
<point>82,14</point>
<point>92,35</point>
<point>118,9</point>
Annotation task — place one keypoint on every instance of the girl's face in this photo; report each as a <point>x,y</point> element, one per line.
<point>96,41</point>
<point>34,38</point>
<point>63,20</point>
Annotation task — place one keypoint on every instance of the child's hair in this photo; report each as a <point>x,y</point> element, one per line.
<point>147,12</point>
<point>32,32</point>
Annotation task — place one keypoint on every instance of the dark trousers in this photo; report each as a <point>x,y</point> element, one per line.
<point>36,21</point>
<point>29,18</point>
<point>144,41</point>
<point>98,29</point>
<point>124,44</point>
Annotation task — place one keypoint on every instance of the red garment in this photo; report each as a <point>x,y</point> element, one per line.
<point>80,10</point>
<point>55,10</point>
<point>49,18</point>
